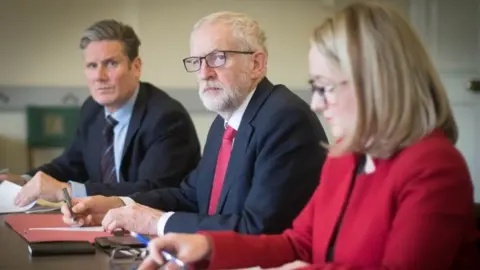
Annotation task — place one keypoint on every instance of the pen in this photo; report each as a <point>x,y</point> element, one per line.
<point>67,199</point>
<point>168,256</point>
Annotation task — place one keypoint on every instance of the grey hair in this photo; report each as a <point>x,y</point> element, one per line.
<point>112,30</point>
<point>245,29</point>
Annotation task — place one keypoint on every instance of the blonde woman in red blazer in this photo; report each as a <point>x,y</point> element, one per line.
<point>395,193</point>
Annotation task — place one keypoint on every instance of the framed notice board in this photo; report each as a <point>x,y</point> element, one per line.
<point>52,126</point>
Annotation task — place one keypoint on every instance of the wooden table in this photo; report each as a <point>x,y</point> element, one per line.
<point>14,255</point>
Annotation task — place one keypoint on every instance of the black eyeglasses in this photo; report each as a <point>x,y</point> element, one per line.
<point>213,60</point>
<point>127,258</point>
<point>325,91</point>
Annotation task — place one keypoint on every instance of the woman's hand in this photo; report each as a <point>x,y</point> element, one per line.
<point>188,248</point>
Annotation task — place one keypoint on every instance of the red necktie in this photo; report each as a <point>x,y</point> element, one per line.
<point>221,168</point>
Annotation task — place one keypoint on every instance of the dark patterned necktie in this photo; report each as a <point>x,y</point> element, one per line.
<point>109,174</point>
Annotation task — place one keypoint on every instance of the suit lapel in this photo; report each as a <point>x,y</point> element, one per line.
<point>235,164</point>
<point>209,163</point>
<point>242,139</point>
<point>335,194</point>
<point>136,119</point>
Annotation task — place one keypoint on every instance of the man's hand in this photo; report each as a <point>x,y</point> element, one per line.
<point>14,178</point>
<point>89,211</point>
<point>41,186</point>
<point>136,218</point>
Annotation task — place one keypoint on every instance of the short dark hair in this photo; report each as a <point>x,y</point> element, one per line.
<point>112,30</point>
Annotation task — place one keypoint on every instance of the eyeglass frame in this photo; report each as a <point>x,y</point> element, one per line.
<point>131,260</point>
<point>201,58</point>
<point>324,91</point>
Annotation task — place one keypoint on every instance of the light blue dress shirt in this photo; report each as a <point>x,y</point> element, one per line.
<point>122,115</point>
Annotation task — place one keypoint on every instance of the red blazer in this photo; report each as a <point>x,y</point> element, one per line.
<point>414,211</point>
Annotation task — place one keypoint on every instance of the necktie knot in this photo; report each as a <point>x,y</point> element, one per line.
<point>229,133</point>
<point>112,122</point>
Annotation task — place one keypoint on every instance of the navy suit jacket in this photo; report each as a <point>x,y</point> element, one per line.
<point>161,147</point>
<point>273,170</point>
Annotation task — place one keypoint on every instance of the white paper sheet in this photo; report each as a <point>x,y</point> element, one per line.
<point>8,192</point>
<point>71,229</point>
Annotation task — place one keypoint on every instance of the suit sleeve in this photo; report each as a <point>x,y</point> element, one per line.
<point>435,214</point>
<point>287,170</point>
<point>69,166</point>
<point>169,155</point>
<point>183,198</point>
<point>276,250</point>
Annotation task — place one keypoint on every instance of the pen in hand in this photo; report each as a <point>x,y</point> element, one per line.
<point>67,199</point>
<point>169,257</point>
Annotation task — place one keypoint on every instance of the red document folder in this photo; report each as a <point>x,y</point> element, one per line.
<point>21,223</point>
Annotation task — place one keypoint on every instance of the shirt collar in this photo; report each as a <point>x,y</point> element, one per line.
<point>237,115</point>
<point>123,114</point>
<point>369,164</point>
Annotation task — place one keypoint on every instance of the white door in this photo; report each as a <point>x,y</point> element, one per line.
<point>451,30</point>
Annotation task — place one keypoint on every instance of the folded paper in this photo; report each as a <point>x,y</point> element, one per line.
<point>22,224</point>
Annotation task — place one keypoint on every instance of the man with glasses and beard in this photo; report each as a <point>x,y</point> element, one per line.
<point>262,158</point>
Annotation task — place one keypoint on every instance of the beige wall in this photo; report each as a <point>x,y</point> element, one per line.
<point>40,48</point>
<point>40,38</point>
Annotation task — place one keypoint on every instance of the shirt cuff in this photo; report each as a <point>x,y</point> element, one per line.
<point>78,189</point>
<point>162,222</point>
<point>127,201</point>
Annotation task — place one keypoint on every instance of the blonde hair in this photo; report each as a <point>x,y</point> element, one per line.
<point>245,29</point>
<point>400,97</point>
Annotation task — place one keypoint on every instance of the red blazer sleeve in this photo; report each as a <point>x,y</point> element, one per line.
<point>434,211</point>
<point>233,250</point>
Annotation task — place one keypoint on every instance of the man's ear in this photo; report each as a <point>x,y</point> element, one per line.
<point>136,65</point>
<point>259,64</point>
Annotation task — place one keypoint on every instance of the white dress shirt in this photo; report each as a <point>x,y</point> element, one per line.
<point>233,122</point>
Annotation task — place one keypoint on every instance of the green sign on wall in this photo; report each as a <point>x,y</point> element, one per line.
<point>51,126</point>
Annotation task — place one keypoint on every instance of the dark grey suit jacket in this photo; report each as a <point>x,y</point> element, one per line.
<point>161,147</point>
<point>274,169</point>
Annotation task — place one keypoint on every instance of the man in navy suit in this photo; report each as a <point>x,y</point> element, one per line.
<point>131,135</point>
<point>262,158</point>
